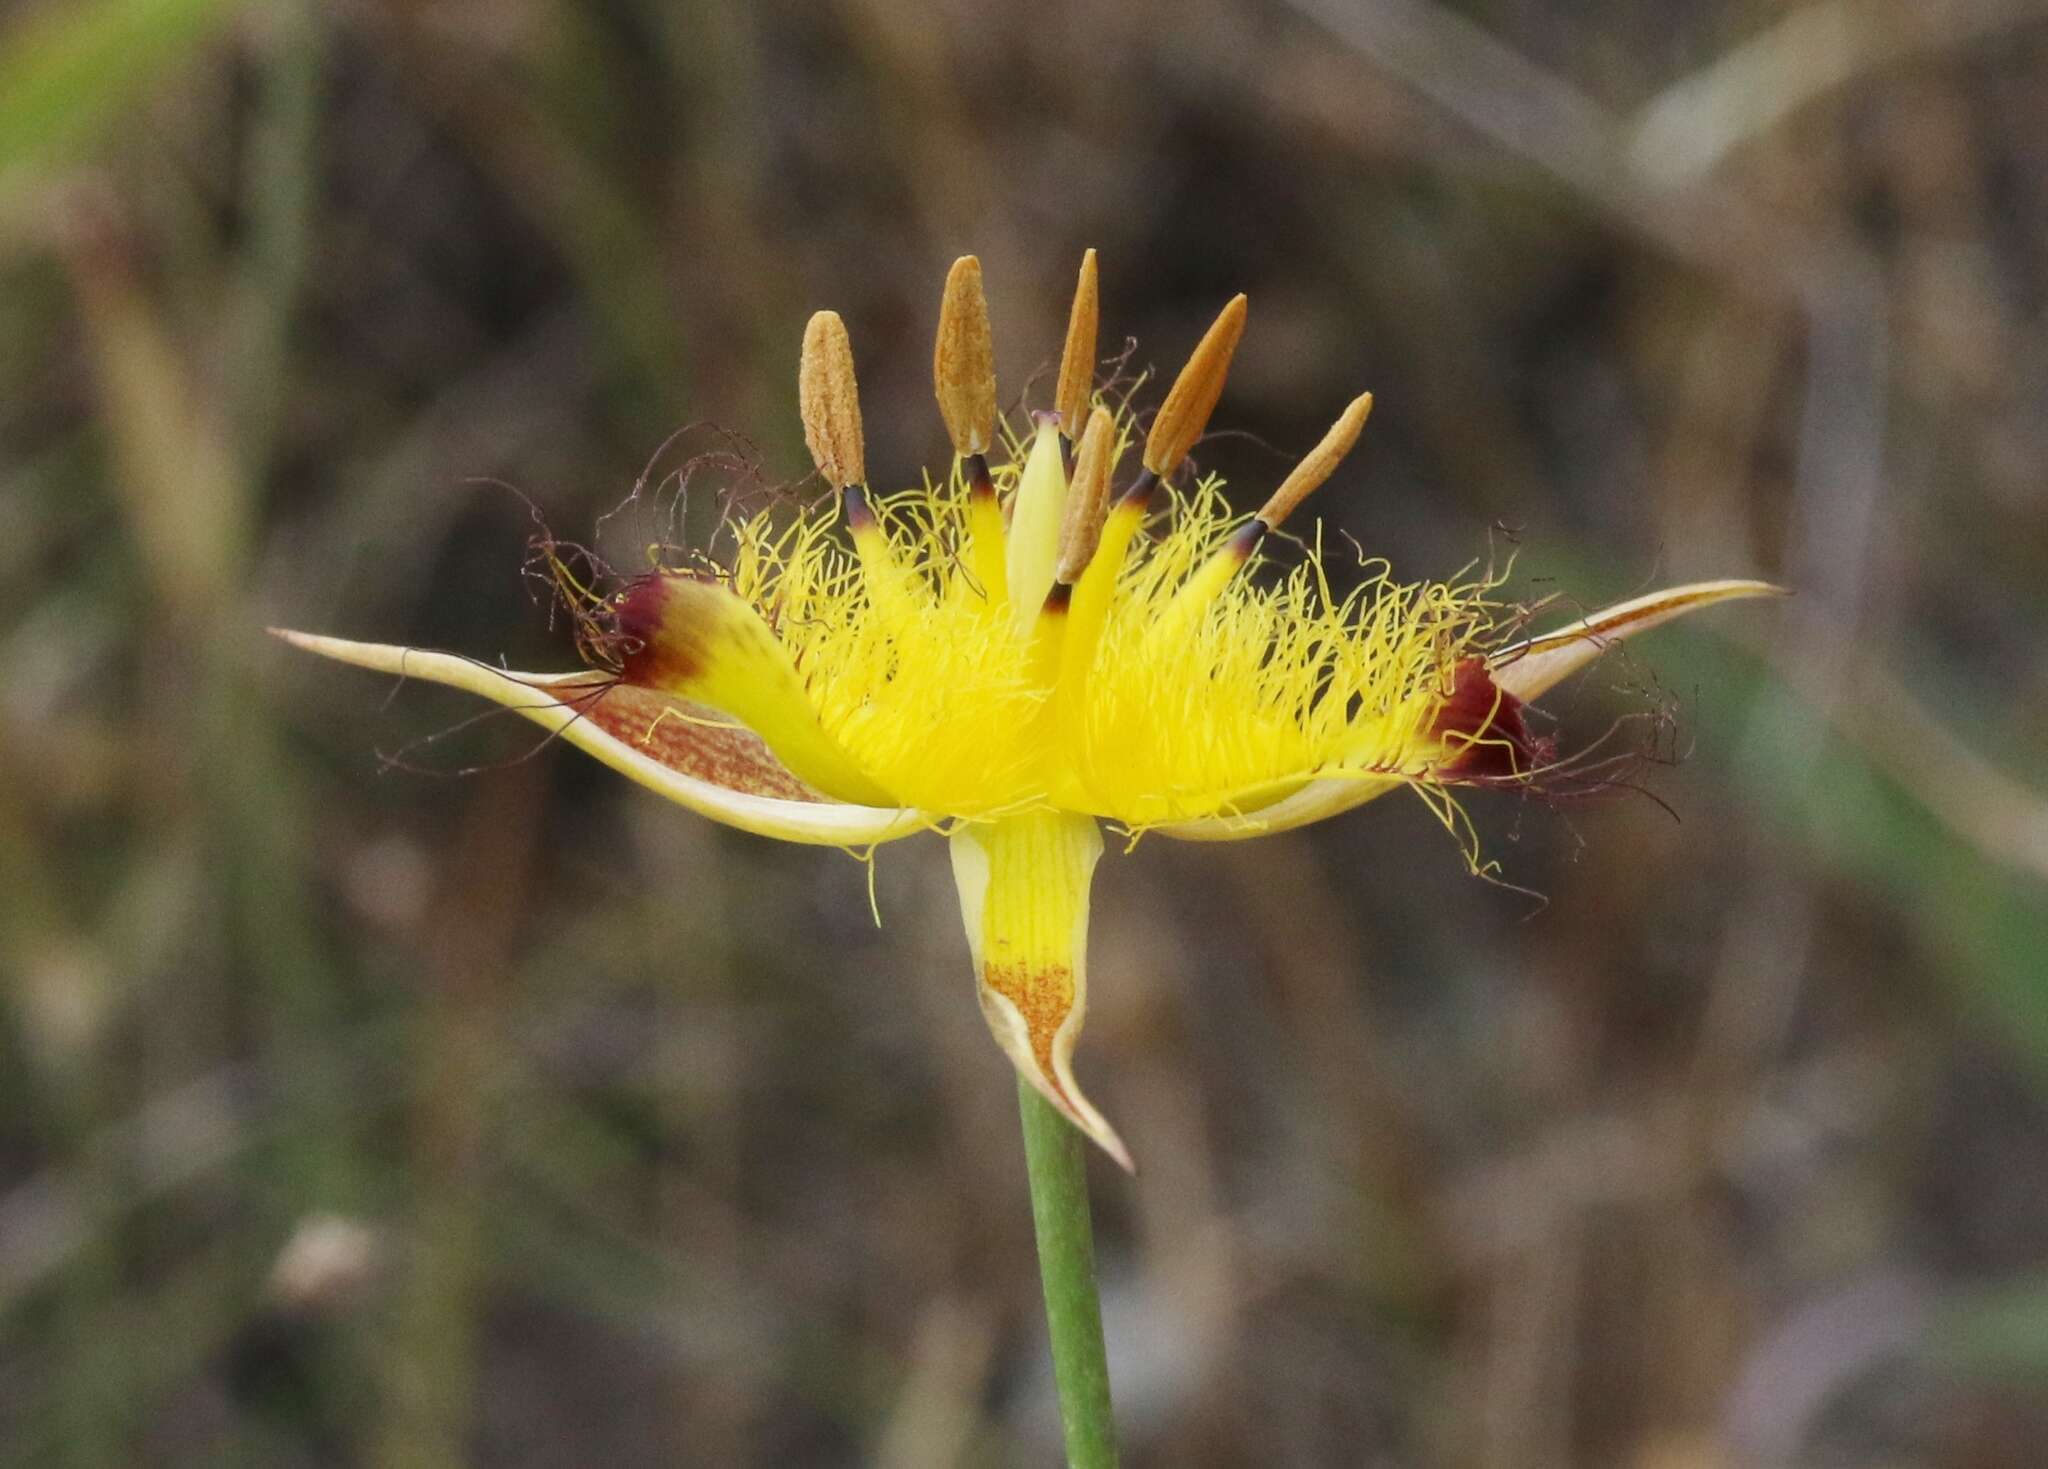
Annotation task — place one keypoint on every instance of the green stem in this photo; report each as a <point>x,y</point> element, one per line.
<point>1056,1157</point>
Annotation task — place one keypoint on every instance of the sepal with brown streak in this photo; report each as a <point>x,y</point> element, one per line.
<point>1024,897</point>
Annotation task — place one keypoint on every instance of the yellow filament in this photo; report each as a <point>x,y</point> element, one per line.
<point>889,586</point>
<point>1089,609</point>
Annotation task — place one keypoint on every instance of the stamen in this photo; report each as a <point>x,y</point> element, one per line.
<point>1320,463</point>
<point>1213,575</point>
<point>828,397</point>
<point>1185,413</point>
<point>964,360</point>
<point>964,376</point>
<point>1088,498</point>
<point>1077,358</point>
<point>1092,568</point>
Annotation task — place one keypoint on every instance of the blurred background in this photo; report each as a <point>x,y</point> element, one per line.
<point>375,1094</point>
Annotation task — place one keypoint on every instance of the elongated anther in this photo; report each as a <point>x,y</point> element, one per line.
<point>829,399</point>
<point>1087,498</point>
<point>1185,413</point>
<point>964,360</point>
<point>1320,463</point>
<point>1077,358</point>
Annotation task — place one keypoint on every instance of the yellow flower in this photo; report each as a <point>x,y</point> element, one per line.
<point>1017,652</point>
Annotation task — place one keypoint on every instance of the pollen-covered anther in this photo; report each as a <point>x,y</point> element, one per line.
<point>964,361</point>
<point>1077,357</point>
<point>1087,499</point>
<point>828,397</point>
<point>1194,395</point>
<point>1319,464</point>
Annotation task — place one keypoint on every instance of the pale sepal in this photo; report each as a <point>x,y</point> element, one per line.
<point>696,757</point>
<point>1024,898</point>
<point>1531,668</point>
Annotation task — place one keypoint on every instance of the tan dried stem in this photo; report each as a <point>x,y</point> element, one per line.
<point>829,399</point>
<point>1319,464</point>
<point>1185,413</point>
<point>964,360</point>
<point>1077,358</point>
<point>1088,499</point>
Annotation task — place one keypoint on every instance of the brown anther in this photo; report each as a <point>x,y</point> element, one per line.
<point>964,360</point>
<point>1185,413</point>
<point>1077,358</point>
<point>1319,464</point>
<point>1088,498</point>
<point>829,399</point>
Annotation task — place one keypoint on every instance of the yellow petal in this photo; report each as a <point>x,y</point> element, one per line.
<point>699,640</point>
<point>690,754</point>
<point>1532,667</point>
<point>1024,897</point>
<point>1524,671</point>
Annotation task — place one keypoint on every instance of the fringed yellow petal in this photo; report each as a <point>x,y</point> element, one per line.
<point>1024,897</point>
<point>1521,672</point>
<point>676,749</point>
<point>1530,668</point>
<point>698,640</point>
<point>1040,506</point>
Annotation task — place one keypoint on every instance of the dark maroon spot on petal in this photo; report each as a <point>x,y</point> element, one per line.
<point>661,647</point>
<point>1483,728</point>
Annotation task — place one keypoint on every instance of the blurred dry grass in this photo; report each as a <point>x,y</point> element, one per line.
<point>376,1117</point>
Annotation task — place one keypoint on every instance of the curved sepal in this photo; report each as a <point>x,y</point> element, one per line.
<point>1531,668</point>
<point>695,756</point>
<point>1024,897</point>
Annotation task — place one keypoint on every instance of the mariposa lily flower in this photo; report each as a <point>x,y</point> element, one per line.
<point>1014,653</point>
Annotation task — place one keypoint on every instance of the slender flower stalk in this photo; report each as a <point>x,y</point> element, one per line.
<point>1056,1159</point>
<point>1015,652</point>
